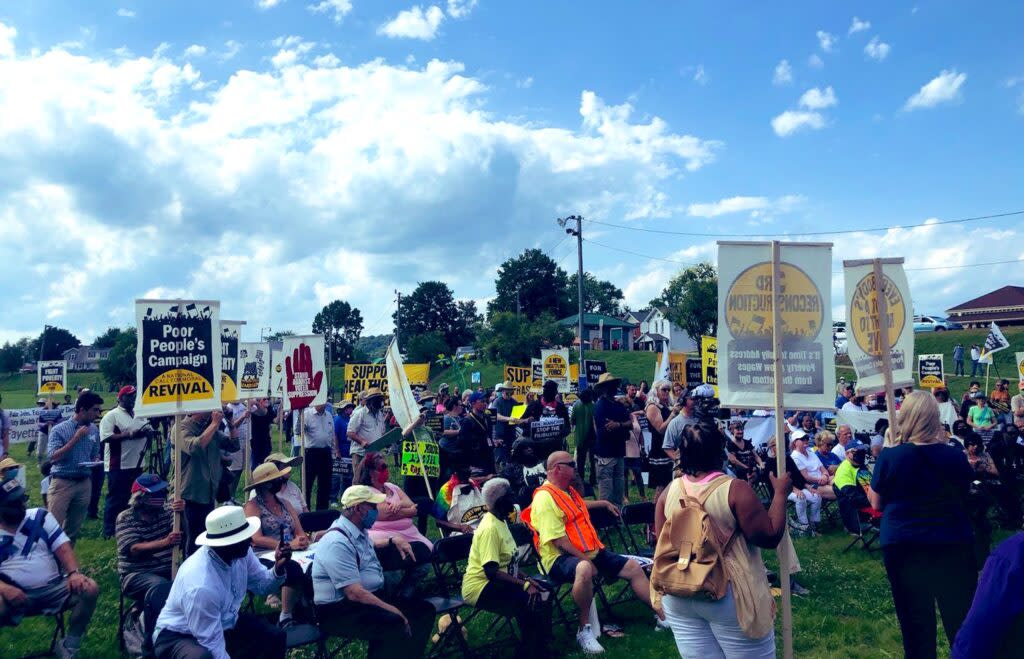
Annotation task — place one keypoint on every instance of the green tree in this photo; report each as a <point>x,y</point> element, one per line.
<point>431,307</point>
<point>54,341</point>
<point>425,348</point>
<point>536,281</point>
<point>342,324</point>
<point>514,340</point>
<point>119,366</point>
<point>11,357</point>
<point>690,300</point>
<point>599,296</point>
<point>107,339</point>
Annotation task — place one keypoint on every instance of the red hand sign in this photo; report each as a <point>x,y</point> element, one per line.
<point>301,384</point>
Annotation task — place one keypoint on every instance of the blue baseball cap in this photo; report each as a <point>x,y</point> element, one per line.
<point>856,445</point>
<point>475,396</point>
<point>149,483</point>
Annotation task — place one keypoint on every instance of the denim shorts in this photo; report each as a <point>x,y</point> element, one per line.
<point>608,565</point>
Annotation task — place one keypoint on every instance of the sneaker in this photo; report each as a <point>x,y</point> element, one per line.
<point>285,623</point>
<point>588,642</point>
<point>797,589</point>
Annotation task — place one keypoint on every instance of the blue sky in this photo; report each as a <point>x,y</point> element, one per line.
<point>279,154</point>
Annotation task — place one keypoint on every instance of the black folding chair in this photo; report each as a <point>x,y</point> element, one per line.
<point>870,528</point>
<point>642,515</point>
<point>446,556</point>
<point>319,520</point>
<point>55,638</point>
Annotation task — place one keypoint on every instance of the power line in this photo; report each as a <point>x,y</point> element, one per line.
<point>812,233</point>
<point>626,251</point>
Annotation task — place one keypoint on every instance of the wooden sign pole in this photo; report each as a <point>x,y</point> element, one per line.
<point>780,445</point>
<point>176,460</point>
<point>882,307</point>
<point>302,451</point>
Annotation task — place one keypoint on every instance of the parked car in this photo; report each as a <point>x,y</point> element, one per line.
<point>933,323</point>
<point>839,330</point>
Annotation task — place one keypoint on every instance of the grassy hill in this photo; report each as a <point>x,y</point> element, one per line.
<point>19,389</point>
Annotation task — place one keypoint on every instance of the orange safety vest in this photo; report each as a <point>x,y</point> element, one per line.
<point>578,527</point>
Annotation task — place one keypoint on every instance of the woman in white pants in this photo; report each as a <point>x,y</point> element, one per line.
<point>805,499</point>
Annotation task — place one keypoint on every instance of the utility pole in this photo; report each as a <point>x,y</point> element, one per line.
<point>518,306</point>
<point>578,232</point>
<point>398,314</point>
<point>265,331</point>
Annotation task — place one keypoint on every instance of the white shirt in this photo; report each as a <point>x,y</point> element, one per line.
<point>290,493</point>
<point>114,422</point>
<point>207,594</point>
<point>368,426</point>
<point>975,354</point>
<point>851,406</point>
<point>809,463</point>
<point>839,450</point>
<point>40,566</point>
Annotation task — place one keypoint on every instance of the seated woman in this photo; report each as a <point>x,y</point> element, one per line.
<point>489,583</point>
<point>981,417</point>
<point>278,523</point>
<point>818,478</point>
<point>396,517</point>
<point>289,492</point>
<point>826,441</point>
<point>458,507</point>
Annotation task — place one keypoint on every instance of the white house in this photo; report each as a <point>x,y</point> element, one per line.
<point>657,333</point>
<point>85,358</point>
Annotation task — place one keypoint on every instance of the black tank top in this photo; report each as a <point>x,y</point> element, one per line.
<point>657,438</point>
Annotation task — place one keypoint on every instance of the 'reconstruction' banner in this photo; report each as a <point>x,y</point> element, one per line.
<point>177,360</point>
<point>929,371</point>
<point>229,330</point>
<point>360,377</point>
<point>520,378</point>
<point>253,373</point>
<point>52,377</point>
<point>863,338</point>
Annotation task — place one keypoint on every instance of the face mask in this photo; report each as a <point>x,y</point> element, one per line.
<point>275,487</point>
<point>155,502</point>
<point>370,518</point>
<point>9,475</point>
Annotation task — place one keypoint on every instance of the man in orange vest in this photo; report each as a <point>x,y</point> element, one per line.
<point>570,550</point>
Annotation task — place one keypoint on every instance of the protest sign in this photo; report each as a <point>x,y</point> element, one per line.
<point>556,367</point>
<point>177,359</point>
<point>538,374</point>
<point>25,423</point>
<point>420,455</point>
<point>677,367</point>
<point>52,377</point>
<point>229,359</point>
<point>253,373</point>
<point>709,361</point>
<point>304,384</point>
<point>863,329</point>
<point>693,374</point>
<point>277,370</point>
<point>412,452</point>
<point>594,371</point>
<point>360,377</point>
<point>574,385</point>
<point>547,428</point>
<point>929,371</point>
<point>746,377</point>
<point>1020,365</point>
<point>435,422</point>
<point>994,342</point>
<point>520,378</point>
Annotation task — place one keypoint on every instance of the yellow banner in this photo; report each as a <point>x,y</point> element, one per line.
<point>360,377</point>
<point>677,367</point>
<point>709,361</point>
<point>521,379</point>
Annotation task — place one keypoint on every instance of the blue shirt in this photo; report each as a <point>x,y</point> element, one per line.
<point>341,435</point>
<point>344,556</point>
<point>86,449</point>
<point>958,353</point>
<point>923,490</point>
<point>828,459</point>
<point>998,607</point>
<point>610,443</point>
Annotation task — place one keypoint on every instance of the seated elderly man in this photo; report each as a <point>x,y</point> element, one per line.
<point>145,539</point>
<point>570,550</point>
<point>39,573</point>
<point>201,618</point>
<point>348,583</point>
<point>853,480</point>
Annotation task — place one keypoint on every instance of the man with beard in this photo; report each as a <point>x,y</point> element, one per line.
<point>200,443</point>
<point>34,552</point>
<point>145,537</point>
<point>201,617</point>
<point>366,425</point>
<point>126,440</point>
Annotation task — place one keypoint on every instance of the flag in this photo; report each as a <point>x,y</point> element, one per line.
<point>994,342</point>
<point>403,403</point>
<point>663,371</point>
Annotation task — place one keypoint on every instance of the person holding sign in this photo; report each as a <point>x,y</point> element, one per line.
<point>548,405</point>
<point>367,425</point>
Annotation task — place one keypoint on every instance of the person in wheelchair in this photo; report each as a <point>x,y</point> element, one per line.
<point>851,484</point>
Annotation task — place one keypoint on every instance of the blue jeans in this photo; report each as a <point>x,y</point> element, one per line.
<point>711,630</point>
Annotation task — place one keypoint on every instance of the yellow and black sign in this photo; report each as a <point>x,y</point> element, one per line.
<point>52,377</point>
<point>556,367</point>
<point>748,305</point>
<point>521,379</point>
<point>360,377</point>
<point>864,321</point>
<point>709,361</point>
<point>929,371</point>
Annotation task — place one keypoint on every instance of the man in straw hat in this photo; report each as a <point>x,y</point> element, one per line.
<point>505,423</point>
<point>367,425</point>
<point>348,583</point>
<point>613,423</point>
<point>201,618</point>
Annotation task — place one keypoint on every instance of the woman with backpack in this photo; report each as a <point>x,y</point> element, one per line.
<point>721,604</point>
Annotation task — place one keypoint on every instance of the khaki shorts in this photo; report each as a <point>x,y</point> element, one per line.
<point>43,601</point>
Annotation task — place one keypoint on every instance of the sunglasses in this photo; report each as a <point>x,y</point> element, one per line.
<point>571,464</point>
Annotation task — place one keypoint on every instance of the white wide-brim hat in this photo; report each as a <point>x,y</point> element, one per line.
<point>228,525</point>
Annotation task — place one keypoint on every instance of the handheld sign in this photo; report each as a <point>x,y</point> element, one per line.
<point>253,373</point>
<point>929,371</point>
<point>864,336</point>
<point>556,367</point>
<point>51,377</point>
<point>709,361</point>
<point>229,360</point>
<point>520,378</point>
<point>694,373</point>
<point>304,384</point>
<point>595,369</point>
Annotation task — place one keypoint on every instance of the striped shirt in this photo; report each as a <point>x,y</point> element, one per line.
<point>131,530</point>
<point>86,449</point>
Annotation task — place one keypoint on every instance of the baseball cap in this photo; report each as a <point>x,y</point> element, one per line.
<point>41,401</point>
<point>357,494</point>
<point>11,491</point>
<point>475,396</point>
<point>856,445</point>
<point>149,483</point>
<point>126,390</point>
<point>797,434</point>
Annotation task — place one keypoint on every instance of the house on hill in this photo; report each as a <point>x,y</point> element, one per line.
<point>1004,306</point>
<point>85,358</point>
<point>601,331</point>
<point>657,333</point>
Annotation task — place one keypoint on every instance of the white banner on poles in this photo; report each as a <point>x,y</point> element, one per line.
<point>862,330</point>
<point>52,377</point>
<point>745,352</point>
<point>178,357</point>
<point>305,383</point>
<point>253,373</point>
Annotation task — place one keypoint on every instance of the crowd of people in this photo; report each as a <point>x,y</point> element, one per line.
<point>938,478</point>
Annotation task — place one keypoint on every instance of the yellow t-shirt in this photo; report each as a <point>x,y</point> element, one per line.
<point>549,521</point>
<point>492,543</point>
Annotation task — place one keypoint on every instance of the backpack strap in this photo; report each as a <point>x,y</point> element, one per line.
<point>359,562</point>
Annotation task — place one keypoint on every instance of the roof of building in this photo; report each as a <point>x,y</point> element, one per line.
<point>639,314</point>
<point>1007,296</point>
<point>594,320</point>
<point>652,336</point>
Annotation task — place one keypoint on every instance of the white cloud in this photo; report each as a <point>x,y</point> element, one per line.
<point>816,99</point>
<point>815,62</point>
<point>195,50</point>
<point>461,8</point>
<point>783,73</point>
<point>525,83</point>
<point>858,25</point>
<point>7,35</point>
<point>792,121</point>
<point>338,9</point>
<point>700,76</point>
<point>826,40</point>
<point>414,23</point>
<point>125,13</point>
<point>231,48</point>
<point>753,205</point>
<point>267,4</point>
<point>148,187</point>
<point>877,50</point>
<point>943,88</point>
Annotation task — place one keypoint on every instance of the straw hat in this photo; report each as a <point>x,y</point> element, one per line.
<point>504,386</point>
<point>608,378</point>
<point>226,526</point>
<point>281,458</point>
<point>373,392</point>
<point>265,473</point>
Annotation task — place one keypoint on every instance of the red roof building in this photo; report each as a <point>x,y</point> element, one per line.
<point>1004,305</point>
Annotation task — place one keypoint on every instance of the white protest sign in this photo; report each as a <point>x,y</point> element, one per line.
<point>253,373</point>
<point>555,366</point>
<point>862,327</point>
<point>304,370</point>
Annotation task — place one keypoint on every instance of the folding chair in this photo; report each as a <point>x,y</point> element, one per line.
<point>319,520</point>
<point>56,637</point>
<point>642,515</point>
<point>870,528</point>
<point>609,528</point>
<point>446,556</point>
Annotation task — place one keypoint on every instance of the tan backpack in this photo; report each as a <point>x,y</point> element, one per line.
<point>688,557</point>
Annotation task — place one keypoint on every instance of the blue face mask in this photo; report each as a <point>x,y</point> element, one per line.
<point>370,518</point>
